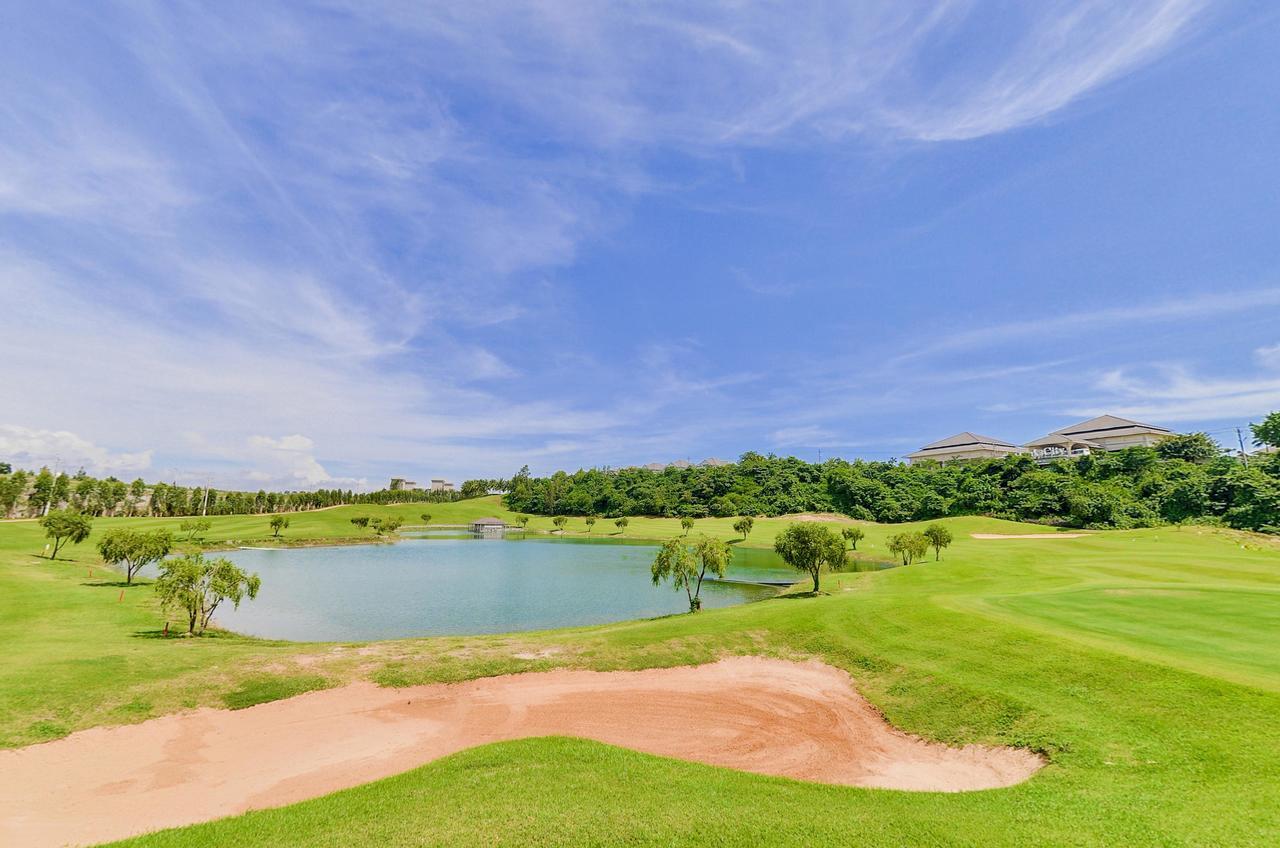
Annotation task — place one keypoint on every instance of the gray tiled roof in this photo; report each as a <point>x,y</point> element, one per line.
<point>966,439</point>
<point>1108,425</point>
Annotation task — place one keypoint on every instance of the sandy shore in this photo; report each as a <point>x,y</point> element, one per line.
<point>801,720</point>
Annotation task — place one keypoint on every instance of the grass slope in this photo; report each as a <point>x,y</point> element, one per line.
<point>1141,662</point>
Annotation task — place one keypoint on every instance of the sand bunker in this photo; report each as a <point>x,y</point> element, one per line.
<point>801,720</point>
<point>1029,535</point>
<point>814,516</point>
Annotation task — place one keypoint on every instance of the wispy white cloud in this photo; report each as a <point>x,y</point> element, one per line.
<point>261,220</point>
<point>1065,51</point>
<point>1173,393</point>
<point>711,74</point>
<point>1268,356</point>
<point>27,447</point>
<point>1083,321</point>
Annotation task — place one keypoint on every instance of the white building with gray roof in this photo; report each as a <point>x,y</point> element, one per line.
<point>964,445</point>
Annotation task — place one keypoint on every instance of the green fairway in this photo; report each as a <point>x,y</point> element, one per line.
<point>1141,663</point>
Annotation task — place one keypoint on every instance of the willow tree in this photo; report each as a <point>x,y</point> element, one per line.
<point>687,563</point>
<point>195,587</point>
<point>853,535</point>
<point>134,549</point>
<point>939,537</point>
<point>66,525</point>
<point>807,546</point>
<point>908,547</point>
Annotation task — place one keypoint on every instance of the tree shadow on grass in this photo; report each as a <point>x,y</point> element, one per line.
<point>796,596</point>
<point>116,584</point>
<point>159,634</point>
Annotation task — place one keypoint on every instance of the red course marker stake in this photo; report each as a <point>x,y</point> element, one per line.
<point>121,596</point>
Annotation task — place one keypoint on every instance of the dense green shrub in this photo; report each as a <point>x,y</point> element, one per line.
<point>1136,487</point>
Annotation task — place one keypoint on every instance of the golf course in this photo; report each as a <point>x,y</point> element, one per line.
<point>1139,668</point>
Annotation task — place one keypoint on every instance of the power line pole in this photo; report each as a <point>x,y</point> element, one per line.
<point>1244,457</point>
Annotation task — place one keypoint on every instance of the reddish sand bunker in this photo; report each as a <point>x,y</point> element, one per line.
<point>801,720</point>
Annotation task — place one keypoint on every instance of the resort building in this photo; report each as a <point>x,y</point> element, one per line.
<point>1104,433</point>
<point>438,485</point>
<point>401,484</point>
<point>964,446</point>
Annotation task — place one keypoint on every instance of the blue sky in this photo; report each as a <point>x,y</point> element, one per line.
<point>301,245</point>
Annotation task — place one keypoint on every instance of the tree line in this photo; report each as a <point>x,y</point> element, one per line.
<point>25,494</point>
<point>1184,478</point>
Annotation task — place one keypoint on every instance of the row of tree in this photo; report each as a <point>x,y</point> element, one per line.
<point>190,586</point>
<point>806,546</point>
<point>26,494</point>
<point>1185,478</point>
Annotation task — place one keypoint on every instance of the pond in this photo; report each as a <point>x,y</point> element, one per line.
<point>465,585</point>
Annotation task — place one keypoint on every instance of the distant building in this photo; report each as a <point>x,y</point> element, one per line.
<point>964,446</point>
<point>438,485</point>
<point>681,464</point>
<point>655,466</point>
<point>401,484</point>
<point>713,462</point>
<point>488,525</point>
<point>1104,433</point>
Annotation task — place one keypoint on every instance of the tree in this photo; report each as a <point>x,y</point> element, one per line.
<point>686,565</point>
<point>908,546</point>
<point>853,535</point>
<point>591,522</point>
<point>1191,447</point>
<point>195,528</point>
<point>621,524</point>
<point>361,521</point>
<point>66,525</point>
<point>134,549</point>
<point>61,489</point>
<point>278,523</point>
<point>687,524</point>
<point>939,537</point>
<point>41,498</point>
<point>12,488</point>
<point>743,526</point>
<point>1268,432</point>
<point>523,521</point>
<point>474,488</point>
<point>196,587</point>
<point>426,518</point>
<point>385,526</point>
<point>807,546</point>
<point>137,491</point>
<point>560,521</point>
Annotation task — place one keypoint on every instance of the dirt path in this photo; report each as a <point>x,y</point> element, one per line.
<point>1029,535</point>
<point>802,720</point>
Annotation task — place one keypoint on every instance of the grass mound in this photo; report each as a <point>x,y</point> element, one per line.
<point>265,688</point>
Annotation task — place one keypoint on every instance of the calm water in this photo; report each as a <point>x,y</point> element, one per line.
<point>426,587</point>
